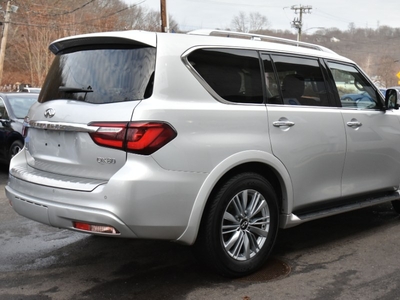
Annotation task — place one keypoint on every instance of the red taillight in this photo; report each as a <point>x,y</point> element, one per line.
<point>110,134</point>
<point>25,125</point>
<point>137,137</point>
<point>24,131</point>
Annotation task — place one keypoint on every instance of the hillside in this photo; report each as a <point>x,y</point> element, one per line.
<point>375,51</point>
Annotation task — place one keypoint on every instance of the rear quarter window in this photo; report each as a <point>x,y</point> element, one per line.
<point>101,75</point>
<point>233,74</point>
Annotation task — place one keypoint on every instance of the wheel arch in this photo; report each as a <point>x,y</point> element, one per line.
<point>12,138</point>
<point>259,162</point>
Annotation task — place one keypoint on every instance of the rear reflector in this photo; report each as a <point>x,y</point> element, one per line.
<point>95,228</point>
<point>136,137</point>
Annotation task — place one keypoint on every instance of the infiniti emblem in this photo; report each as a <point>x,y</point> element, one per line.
<point>49,113</point>
<point>244,224</point>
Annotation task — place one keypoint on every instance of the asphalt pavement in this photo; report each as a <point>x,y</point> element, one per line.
<point>349,256</point>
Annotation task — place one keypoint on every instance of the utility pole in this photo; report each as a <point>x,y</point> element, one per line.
<point>10,8</point>
<point>298,23</point>
<point>164,16</point>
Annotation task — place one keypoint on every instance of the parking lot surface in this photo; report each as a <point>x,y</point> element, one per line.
<point>349,256</point>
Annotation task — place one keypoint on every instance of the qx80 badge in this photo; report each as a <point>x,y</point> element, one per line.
<point>106,161</point>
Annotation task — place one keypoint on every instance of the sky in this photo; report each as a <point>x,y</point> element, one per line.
<point>212,14</point>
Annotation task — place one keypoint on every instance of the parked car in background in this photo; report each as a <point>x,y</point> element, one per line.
<point>13,109</point>
<point>35,90</point>
<point>358,100</point>
<point>397,88</point>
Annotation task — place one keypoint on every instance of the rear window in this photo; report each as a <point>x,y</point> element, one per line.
<point>101,75</point>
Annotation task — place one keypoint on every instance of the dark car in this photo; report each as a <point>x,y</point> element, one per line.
<point>13,109</point>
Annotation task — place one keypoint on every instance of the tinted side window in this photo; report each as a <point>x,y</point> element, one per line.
<point>353,88</point>
<point>301,81</point>
<point>101,75</point>
<point>234,75</point>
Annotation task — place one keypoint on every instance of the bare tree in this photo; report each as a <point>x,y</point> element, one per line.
<point>39,22</point>
<point>240,22</point>
<point>254,22</point>
<point>145,19</point>
<point>257,22</point>
<point>387,70</point>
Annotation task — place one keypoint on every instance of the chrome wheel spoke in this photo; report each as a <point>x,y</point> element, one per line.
<point>262,204</point>
<point>254,244</point>
<point>227,229</point>
<point>238,246</point>
<point>229,217</point>
<point>233,240</point>
<point>238,206</point>
<point>254,202</point>
<point>260,221</point>
<point>247,246</point>
<point>244,196</point>
<point>258,231</point>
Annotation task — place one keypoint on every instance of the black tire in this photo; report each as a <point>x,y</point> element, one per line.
<point>15,147</point>
<point>396,206</point>
<point>224,230</point>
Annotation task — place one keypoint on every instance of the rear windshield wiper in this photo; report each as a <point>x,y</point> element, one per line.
<point>67,89</point>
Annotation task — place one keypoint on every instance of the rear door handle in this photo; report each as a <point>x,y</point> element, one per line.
<point>282,123</point>
<point>354,123</point>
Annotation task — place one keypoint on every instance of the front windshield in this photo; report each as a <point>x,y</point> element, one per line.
<point>101,75</point>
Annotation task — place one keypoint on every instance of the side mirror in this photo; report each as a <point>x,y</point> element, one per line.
<point>391,99</point>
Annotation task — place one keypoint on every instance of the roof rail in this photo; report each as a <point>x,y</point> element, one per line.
<point>258,37</point>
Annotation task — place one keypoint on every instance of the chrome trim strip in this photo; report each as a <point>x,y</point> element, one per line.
<point>61,126</point>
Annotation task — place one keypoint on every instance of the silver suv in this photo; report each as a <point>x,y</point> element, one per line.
<point>204,140</point>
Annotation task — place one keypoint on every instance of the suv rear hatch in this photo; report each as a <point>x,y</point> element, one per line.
<point>79,125</point>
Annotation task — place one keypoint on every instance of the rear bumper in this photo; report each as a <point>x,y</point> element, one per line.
<point>63,215</point>
<point>141,200</point>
